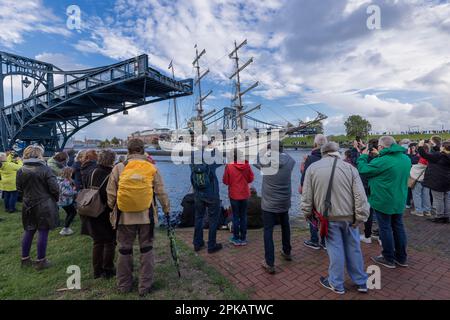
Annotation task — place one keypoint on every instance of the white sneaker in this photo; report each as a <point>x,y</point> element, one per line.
<point>66,232</point>
<point>364,239</point>
<point>417,213</point>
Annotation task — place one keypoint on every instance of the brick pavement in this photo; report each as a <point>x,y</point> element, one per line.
<point>428,275</point>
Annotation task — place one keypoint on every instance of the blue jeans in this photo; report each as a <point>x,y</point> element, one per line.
<point>392,236</point>
<point>315,235</point>
<point>239,208</point>
<point>269,219</point>
<point>200,205</point>
<point>11,200</point>
<point>421,197</point>
<point>343,248</point>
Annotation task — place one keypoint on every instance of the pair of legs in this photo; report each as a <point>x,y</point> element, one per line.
<point>103,257</point>
<point>369,224</point>
<point>10,200</point>
<point>393,237</point>
<point>71,212</point>
<point>27,241</point>
<point>126,235</point>
<point>269,219</point>
<point>421,198</point>
<point>344,250</point>
<point>213,206</point>
<point>315,236</point>
<point>441,204</point>
<point>239,208</point>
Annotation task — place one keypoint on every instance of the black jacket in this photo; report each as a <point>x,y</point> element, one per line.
<point>315,155</point>
<point>437,175</point>
<point>100,228</point>
<point>40,191</point>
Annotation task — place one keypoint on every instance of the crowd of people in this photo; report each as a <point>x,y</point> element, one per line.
<point>116,201</point>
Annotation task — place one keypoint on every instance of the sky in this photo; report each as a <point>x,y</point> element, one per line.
<point>308,55</point>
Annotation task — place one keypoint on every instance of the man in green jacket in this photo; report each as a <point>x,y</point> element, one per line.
<point>388,182</point>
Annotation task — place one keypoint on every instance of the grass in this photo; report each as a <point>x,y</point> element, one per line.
<point>308,141</point>
<point>198,280</point>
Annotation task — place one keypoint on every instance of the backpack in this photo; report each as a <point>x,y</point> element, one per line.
<point>200,177</point>
<point>135,192</point>
<point>89,202</point>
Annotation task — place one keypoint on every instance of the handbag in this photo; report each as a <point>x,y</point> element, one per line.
<point>412,182</point>
<point>89,202</point>
<point>321,220</point>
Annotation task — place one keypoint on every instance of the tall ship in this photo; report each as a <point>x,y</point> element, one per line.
<point>234,132</point>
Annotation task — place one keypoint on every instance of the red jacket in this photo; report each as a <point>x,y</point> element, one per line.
<point>237,177</point>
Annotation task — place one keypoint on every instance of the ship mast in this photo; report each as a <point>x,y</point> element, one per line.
<point>174,99</point>
<point>239,93</point>
<point>200,76</point>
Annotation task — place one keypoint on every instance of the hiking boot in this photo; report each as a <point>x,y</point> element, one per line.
<point>234,241</point>
<point>312,245</point>
<point>364,239</point>
<point>440,220</point>
<point>326,284</point>
<point>362,288</point>
<point>66,232</point>
<point>218,247</point>
<point>382,261</point>
<point>286,256</point>
<point>401,264</point>
<point>417,213</point>
<point>268,269</point>
<point>42,264</point>
<point>26,262</point>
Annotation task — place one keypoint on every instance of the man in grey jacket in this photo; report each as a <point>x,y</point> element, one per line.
<point>349,207</point>
<point>276,202</point>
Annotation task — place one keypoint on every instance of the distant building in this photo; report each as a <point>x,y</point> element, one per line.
<point>151,136</point>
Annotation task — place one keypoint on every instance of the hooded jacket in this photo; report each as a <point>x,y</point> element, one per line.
<point>237,177</point>
<point>56,166</point>
<point>276,189</point>
<point>388,176</point>
<point>437,176</point>
<point>348,198</point>
<point>8,172</point>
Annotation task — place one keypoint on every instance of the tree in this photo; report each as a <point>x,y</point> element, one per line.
<point>115,141</point>
<point>357,126</point>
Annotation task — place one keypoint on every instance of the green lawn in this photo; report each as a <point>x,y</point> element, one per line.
<point>199,280</point>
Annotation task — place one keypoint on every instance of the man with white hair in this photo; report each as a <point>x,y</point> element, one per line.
<point>388,182</point>
<point>334,188</point>
<point>316,155</point>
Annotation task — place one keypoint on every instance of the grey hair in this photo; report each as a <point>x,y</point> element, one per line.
<point>386,141</point>
<point>33,152</point>
<point>320,140</point>
<point>329,147</point>
<point>106,158</point>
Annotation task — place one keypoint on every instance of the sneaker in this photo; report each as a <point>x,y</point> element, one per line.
<point>218,247</point>
<point>427,214</point>
<point>363,238</point>
<point>312,245</point>
<point>403,265</point>
<point>268,269</point>
<point>408,207</point>
<point>417,213</point>
<point>440,220</point>
<point>26,262</point>
<point>326,284</point>
<point>243,243</point>
<point>362,288</point>
<point>42,264</point>
<point>234,241</point>
<point>382,261</point>
<point>286,256</point>
<point>323,245</point>
<point>66,232</point>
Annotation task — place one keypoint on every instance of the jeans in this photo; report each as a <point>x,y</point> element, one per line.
<point>71,212</point>
<point>200,206</point>
<point>343,248</point>
<point>239,208</point>
<point>315,235</point>
<point>392,236</point>
<point>421,198</point>
<point>269,219</point>
<point>11,200</point>
<point>41,243</point>
<point>441,204</point>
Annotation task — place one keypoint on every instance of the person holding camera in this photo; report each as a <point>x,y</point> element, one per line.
<point>9,165</point>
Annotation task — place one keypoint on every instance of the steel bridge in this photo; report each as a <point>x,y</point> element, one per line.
<point>51,114</point>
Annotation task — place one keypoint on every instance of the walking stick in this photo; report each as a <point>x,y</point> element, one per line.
<point>173,245</point>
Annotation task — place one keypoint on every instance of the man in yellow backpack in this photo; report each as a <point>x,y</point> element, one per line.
<point>131,190</point>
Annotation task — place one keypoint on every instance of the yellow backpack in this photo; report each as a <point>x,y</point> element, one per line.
<point>135,192</point>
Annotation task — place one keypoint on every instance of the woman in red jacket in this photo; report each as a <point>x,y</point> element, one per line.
<point>238,176</point>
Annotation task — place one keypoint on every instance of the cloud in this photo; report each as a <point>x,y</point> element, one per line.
<point>20,18</point>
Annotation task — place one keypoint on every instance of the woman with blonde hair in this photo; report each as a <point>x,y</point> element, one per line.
<point>40,191</point>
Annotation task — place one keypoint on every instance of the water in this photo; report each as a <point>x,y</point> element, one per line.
<point>177,181</point>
